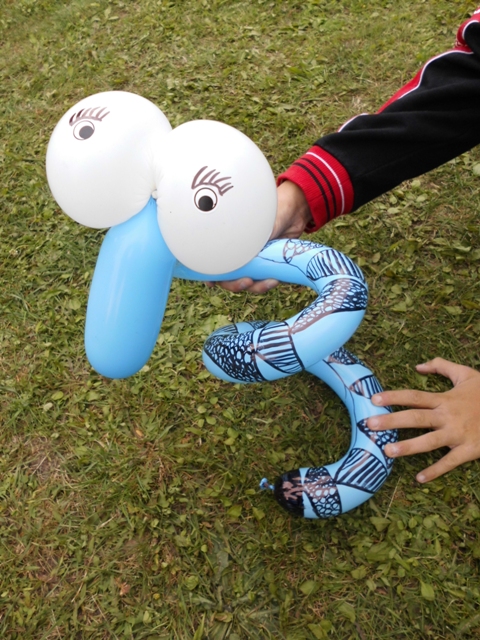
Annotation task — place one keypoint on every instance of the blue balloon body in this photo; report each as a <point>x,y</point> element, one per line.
<point>127,301</point>
<point>128,295</point>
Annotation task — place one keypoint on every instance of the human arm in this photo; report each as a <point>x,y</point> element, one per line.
<point>429,121</point>
<point>453,418</point>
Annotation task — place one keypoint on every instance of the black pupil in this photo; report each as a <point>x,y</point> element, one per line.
<point>86,131</point>
<point>205,203</point>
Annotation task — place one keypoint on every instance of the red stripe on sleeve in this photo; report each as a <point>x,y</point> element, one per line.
<point>325,183</point>
<point>460,45</point>
<point>417,80</point>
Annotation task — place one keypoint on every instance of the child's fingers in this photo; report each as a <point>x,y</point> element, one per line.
<point>262,286</point>
<point>246,284</point>
<point>455,372</point>
<point>450,461</point>
<point>420,444</point>
<point>406,398</point>
<point>235,286</point>
<point>410,419</point>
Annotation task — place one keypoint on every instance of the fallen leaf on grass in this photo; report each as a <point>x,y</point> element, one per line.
<point>427,591</point>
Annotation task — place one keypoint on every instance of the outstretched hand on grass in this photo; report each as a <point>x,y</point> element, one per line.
<point>293,216</point>
<point>452,416</point>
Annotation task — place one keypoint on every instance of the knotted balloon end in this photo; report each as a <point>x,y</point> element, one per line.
<point>264,485</point>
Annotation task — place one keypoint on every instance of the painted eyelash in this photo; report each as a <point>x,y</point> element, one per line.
<point>211,179</point>
<point>88,113</point>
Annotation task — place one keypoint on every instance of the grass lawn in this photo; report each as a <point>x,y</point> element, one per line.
<point>131,509</point>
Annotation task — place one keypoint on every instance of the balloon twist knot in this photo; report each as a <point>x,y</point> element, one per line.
<point>265,485</point>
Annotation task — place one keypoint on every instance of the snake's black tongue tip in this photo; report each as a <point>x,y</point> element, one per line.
<point>288,491</point>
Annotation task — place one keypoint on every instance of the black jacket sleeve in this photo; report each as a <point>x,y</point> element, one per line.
<point>432,119</point>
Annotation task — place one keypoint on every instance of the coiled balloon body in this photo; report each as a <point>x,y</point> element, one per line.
<point>312,340</point>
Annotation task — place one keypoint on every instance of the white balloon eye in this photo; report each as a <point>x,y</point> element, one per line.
<point>102,155</point>
<point>82,121</point>
<point>205,199</point>
<point>208,182</point>
<point>216,203</point>
<point>84,130</point>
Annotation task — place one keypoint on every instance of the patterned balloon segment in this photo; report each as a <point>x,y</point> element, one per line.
<point>198,202</point>
<point>260,351</point>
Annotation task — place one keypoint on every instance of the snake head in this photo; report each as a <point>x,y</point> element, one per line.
<point>215,208</point>
<point>216,192</point>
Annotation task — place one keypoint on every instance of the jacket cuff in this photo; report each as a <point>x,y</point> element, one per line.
<point>325,183</point>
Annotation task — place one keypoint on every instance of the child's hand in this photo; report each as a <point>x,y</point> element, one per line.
<point>453,416</point>
<point>293,216</point>
<point>293,212</point>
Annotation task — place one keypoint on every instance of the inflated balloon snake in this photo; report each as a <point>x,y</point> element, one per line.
<point>198,202</point>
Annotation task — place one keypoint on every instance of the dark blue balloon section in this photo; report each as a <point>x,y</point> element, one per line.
<point>127,301</point>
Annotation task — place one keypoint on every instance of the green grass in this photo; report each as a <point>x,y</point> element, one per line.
<point>130,509</point>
